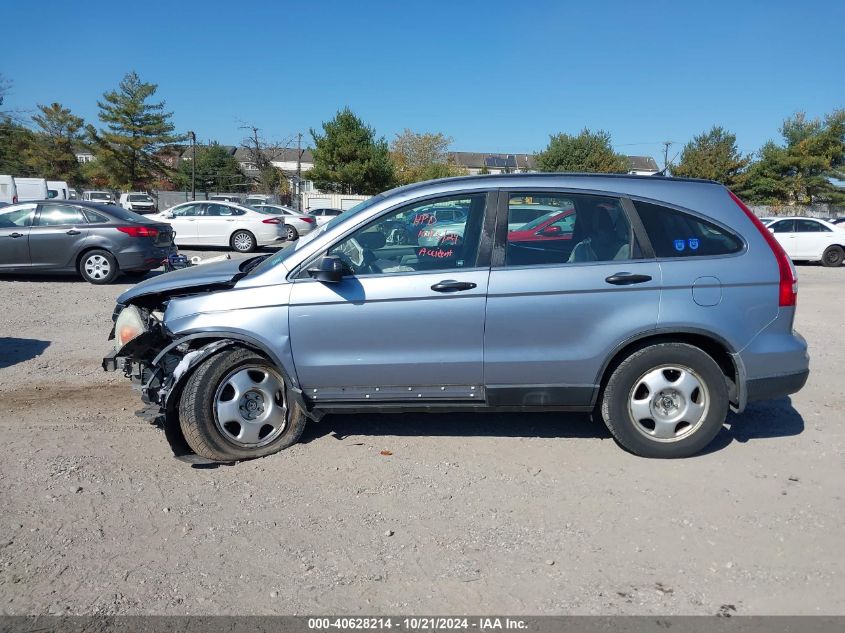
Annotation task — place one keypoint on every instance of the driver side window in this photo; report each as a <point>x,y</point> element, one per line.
<point>433,235</point>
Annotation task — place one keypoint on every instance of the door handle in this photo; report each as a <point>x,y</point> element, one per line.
<point>13,235</point>
<point>450,285</point>
<point>73,232</point>
<point>627,279</point>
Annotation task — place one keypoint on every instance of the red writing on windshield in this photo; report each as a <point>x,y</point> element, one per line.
<point>424,218</point>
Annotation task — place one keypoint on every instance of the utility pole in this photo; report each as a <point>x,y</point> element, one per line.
<point>298,206</point>
<point>193,165</point>
<point>666,146</point>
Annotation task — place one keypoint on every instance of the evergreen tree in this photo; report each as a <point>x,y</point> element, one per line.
<point>800,170</point>
<point>713,155</point>
<point>216,170</point>
<point>52,155</point>
<point>135,130</point>
<point>348,158</point>
<point>586,152</point>
<point>16,141</point>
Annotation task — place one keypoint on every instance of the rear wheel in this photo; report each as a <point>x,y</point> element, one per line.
<point>833,256</point>
<point>242,241</point>
<point>236,406</point>
<point>666,400</point>
<point>292,233</point>
<point>98,267</point>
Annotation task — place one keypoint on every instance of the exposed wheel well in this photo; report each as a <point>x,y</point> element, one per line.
<point>712,347</point>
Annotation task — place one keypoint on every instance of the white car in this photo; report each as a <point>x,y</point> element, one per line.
<point>810,239</point>
<point>298,224</point>
<point>222,224</point>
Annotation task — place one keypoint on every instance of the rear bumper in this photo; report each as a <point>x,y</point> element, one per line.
<point>144,258</point>
<point>775,386</point>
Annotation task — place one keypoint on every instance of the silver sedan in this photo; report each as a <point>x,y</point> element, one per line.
<point>298,224</point>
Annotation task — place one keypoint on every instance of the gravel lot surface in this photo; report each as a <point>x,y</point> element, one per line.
<point>522,514</point>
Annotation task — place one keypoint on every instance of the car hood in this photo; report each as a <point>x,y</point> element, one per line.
<point>209,276</point>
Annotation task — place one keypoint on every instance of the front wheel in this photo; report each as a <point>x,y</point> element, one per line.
<point>242,241</point>
<point>833,256</point>
<point>98,267</point>
<point>236,406</point>
<point>292,233</point>
<point>666,400</point>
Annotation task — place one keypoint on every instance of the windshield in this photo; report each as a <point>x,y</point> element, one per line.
<point>139,197</point>
<point>97,195</point>
<point>283,254</point>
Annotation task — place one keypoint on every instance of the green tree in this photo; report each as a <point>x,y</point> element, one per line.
<point>713,155</point>
<point>799,171</point>
<point>348,158</point>
<point>586,152</point>
<point>422,156</point>
<point>135,129</point>
<point>16,141</point>
<point>216,170</point>
<point>52,155</point>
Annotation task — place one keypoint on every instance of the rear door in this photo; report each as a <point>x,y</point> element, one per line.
<point>216,224</point>
<point>555,312</point>
<point>811,238</point>
<point>55,238</point>
<point>15,225</point>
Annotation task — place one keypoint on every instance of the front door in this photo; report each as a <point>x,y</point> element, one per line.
<point>184,222</point>
<point>784,231</point>
<point>15,223</point>
<point>555,308</point>
<point>407,321</point>
<point>55,237</point>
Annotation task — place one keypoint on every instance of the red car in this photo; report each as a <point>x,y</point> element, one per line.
<point>553,229</point>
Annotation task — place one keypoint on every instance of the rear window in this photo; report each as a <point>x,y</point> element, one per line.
<point>674,233</point>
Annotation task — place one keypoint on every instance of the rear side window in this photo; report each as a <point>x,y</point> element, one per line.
<point>674,233</point>
<point>810,226</point>
<point>59,215</point>
<point>94,217</point>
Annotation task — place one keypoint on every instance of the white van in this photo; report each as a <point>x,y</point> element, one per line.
<point>58,190</point>
<point>103,197</point>
<point>31,189</point>
<point>138,201</point>
<point>8,191</point>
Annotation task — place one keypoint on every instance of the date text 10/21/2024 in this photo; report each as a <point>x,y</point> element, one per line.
<point>418,623</point>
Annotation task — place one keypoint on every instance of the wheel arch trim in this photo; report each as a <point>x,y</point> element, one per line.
<point>738,394</point>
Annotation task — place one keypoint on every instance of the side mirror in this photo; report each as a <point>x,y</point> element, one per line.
<point>551,231</point>
<point>169,215</point>
<point>329,269</point>
<point>771,230</point>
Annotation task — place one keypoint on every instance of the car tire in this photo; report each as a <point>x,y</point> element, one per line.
<point>235,406</point>
<point>242,242</point>
<point>667,400</point>
<point>833,256</point>
<point>98,266</point>
<point>292,234</point>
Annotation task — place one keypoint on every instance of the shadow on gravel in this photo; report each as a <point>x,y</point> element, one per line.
<point>18,350</point>
<point>545,425</point>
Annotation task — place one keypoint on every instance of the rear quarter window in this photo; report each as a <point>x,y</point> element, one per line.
<point>674,233</point>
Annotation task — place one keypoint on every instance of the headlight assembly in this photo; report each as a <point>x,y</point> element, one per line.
<point>129,325</point>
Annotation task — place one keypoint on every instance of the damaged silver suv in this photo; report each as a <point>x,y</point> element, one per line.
<point>657,303</point>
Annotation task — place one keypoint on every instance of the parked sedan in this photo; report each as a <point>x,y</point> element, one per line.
<point>297,224</point>
<point>97,241</point>
<point>223,224</point>
<point>324,215</point>
<point>810,239</point>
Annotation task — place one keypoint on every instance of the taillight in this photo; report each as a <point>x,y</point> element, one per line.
<point>788,287</point>
<point>307,219</point>
<point>271,221</point>
<point>14,199</point>
<point>139,231</point>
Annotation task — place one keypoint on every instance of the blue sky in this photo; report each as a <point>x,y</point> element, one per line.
<point>495,76</point>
